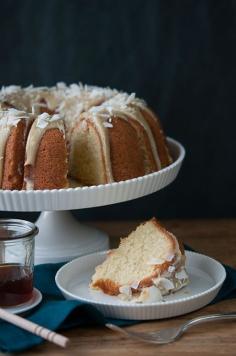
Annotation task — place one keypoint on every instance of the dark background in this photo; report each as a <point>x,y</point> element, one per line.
<point>178,55</point>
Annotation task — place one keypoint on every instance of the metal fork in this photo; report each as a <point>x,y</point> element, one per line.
<point>166,336</point>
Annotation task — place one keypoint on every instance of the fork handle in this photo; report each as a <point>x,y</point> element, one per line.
<point>208,318</point>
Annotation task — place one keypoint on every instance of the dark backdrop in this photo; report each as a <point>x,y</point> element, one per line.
<point>178,55</point>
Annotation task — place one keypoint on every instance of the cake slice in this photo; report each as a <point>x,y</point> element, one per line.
<point>148,264</point>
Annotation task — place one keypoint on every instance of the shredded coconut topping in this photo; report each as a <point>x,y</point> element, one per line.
<point>11,89</point>
<point>70,101</point>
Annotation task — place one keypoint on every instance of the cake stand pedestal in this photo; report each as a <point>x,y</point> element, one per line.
<point>61,237</point>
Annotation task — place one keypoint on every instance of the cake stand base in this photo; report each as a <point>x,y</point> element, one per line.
<point>61,238</point>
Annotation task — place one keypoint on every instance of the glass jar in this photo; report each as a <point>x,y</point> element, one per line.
<point>16,261</point>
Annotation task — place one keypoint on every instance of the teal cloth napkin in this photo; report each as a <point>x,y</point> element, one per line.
<point>56,313</point>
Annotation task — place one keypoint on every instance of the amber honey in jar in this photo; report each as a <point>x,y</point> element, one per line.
<point>16,261</point>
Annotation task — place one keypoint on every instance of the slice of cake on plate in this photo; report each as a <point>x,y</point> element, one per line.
<point>148,264</point>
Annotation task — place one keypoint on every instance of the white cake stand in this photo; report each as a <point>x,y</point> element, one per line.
<point>61,237</point>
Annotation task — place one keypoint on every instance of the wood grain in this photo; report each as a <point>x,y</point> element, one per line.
<point>216,238</point>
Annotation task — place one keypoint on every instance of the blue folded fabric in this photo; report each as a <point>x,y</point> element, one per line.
<point>56,313</point>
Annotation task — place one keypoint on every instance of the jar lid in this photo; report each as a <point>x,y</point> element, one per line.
<point>13,229</point>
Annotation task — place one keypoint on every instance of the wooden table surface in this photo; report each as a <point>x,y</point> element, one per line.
<point>216,238</point>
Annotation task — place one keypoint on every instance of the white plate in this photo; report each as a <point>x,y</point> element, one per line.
<point>32,303</point>
<point>206,278</point>
<point>99,195</point>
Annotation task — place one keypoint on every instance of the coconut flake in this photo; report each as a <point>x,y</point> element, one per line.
<point>130,98</point>
<point>164,284</point>
<point>126,290</point>
<point>12,117</point>
<point>135,284</point>
<point>171,269</point>
<point>11,89</point>
<point>44,119</point>
<point>170,257</point>
<point>107,124</point>
<point>181,274</point>
<point>149,295</point>
<point>61,86</point>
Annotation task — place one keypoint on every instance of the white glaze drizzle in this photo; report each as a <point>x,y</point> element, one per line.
<point>104,135</point>
<point>142,105</point>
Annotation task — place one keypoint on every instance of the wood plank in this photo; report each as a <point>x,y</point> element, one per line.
<point>216,238</point>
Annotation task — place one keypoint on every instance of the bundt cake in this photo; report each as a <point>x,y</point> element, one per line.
<point>148,264</point>
<point>87,134</point>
